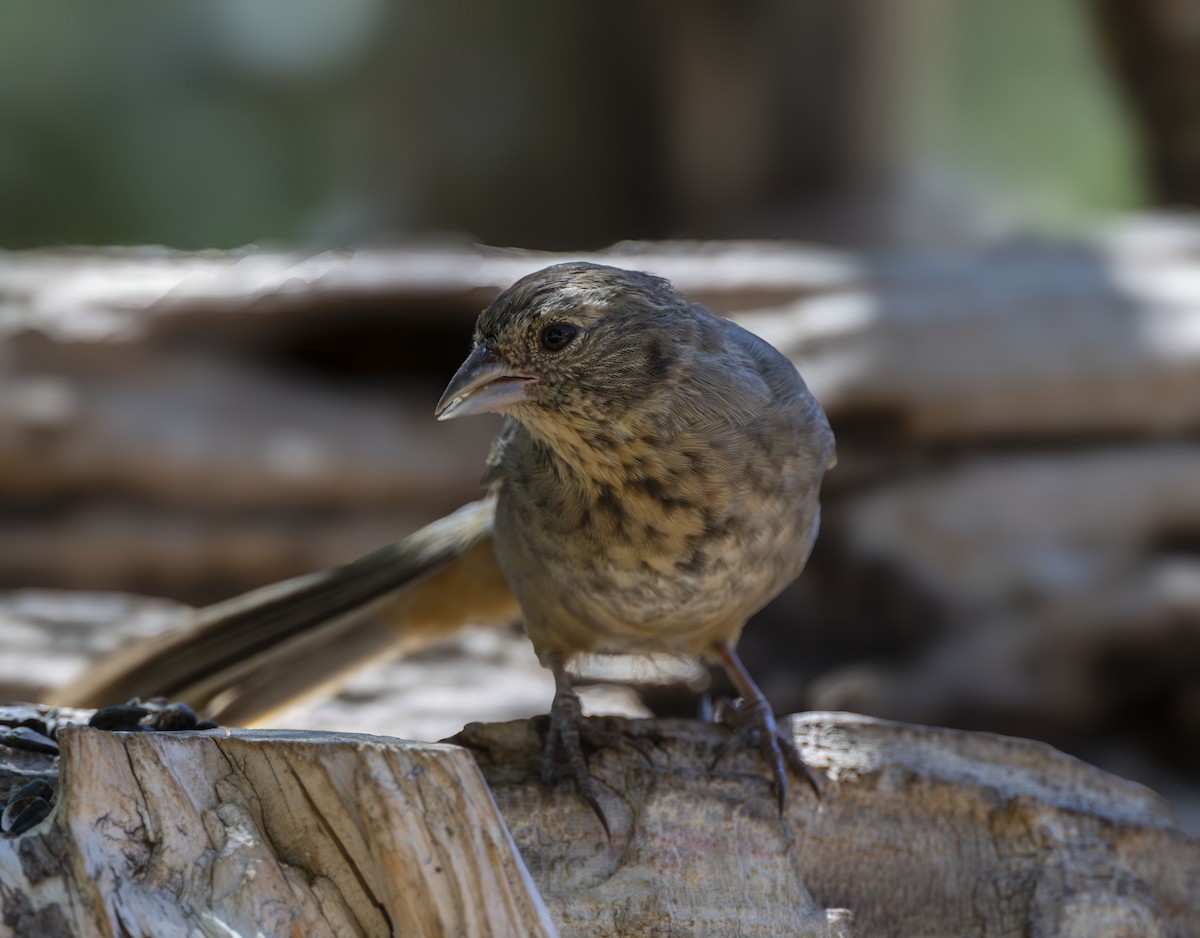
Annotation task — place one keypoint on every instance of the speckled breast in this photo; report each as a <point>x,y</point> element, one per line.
<point>666,549</point>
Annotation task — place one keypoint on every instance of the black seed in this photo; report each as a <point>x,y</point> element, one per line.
<point>36,788</point>
<point>22,737</point>
<point>37,725</point>
<point>24,715</point>
<point>174,717</point>
<point>121,717</point>
<point>21,815</point>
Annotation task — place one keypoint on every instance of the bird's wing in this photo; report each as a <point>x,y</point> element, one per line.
<point>784,386</point>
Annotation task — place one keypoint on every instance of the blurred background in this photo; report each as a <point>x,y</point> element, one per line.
<point>968,222</point>
<point>320,123</point>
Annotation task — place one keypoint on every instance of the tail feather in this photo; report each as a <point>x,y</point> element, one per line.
<point>243,658</point>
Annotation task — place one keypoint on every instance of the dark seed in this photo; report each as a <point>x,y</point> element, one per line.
<point>21,815</point>
<point>173,717</point>
<point>121,717</point>
<point>22,715</point>
<point>22,737</point>
<point>37,724</point>
<point>36,788</point>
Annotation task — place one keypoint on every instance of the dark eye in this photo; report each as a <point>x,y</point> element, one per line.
<point>557,336</point>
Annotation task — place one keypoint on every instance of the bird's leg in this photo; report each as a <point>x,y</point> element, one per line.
<point>756,724</point>
<point>565,738</point>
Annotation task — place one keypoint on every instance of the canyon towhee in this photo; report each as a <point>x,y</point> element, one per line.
<point>654,484</point>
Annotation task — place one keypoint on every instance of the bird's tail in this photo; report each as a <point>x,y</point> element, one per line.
<point>241,659</point>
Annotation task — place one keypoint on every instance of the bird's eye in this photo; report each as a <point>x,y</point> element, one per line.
<point>557,336</point>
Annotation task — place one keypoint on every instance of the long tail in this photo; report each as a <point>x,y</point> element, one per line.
<point>241,659</point>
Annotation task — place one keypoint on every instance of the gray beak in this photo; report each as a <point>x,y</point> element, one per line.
<point>482,385</point>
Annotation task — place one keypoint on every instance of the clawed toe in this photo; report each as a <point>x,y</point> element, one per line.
<point>754,725</point>
<point>564,742</point>
<point>568,732</point>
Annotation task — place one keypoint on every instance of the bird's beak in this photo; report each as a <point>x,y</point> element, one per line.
<point>483,385</point>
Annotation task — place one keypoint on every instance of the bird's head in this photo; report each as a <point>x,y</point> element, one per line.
<point>573,340</point>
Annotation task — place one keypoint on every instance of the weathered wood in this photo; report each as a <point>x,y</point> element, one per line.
<point>918,832</point>
<point>267,833</point>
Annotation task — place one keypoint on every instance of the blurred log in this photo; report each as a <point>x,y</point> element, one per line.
<point>123,294</point>
<point>1097,337</point>
<point>181,416</point>
<point>1025,343</point>
<point>1058,523</point>
<point>196,424</point>
<point>1069,591</point>
<point>918,831</point>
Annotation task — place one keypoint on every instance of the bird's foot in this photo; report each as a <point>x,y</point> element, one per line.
<point>570,731</point>
<point>564,742</point>
<point>754,724</point>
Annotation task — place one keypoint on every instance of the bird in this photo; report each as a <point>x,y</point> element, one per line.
<point>655,482</point>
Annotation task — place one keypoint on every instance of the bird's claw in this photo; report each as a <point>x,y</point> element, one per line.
<point>565,740</point>
<point>754,724</point>
<point>569,732</point>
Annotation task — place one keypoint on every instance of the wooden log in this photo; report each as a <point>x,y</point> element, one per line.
<point>277,833</point>
<point>918,832</point>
